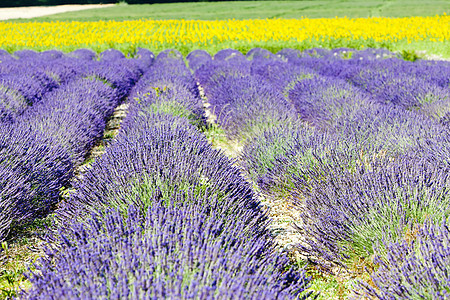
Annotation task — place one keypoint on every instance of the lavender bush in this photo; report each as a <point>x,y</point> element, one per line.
<point>245,105</point>
<point>197,58</point>
<point>281,75</point>
<point>320,101</point>
<point>180,251</point>
<point>156,159</point>
<point>348,213</point>
<point>75,125</point>
<point>34,168</point>
<point>229,55</point>
<point>168,88</point>
<point>47,140</point>
<point>416,267</point>
<point>261,54</point>
<point>84,54</point>
<point>260,153</point>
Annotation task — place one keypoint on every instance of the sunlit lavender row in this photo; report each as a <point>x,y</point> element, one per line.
<point>356,141</point>
<point>53,109</point>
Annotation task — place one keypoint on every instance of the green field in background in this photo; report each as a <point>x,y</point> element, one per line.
<point>257,10</point>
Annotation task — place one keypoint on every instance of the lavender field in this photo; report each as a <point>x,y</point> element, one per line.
<point>180,204</point>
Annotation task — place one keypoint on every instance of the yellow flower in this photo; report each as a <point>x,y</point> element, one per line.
<point>169,33</point>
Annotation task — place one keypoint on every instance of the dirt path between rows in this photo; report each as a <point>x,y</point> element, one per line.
<point>39,11</point>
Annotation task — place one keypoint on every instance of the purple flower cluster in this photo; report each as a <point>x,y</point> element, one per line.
<point>197,58</point>
<point>261,54</point>
<point>321,101</point>
<point>84,54</point>
<point>416,267</point>
<point>368,168</point>
<point>74,116</point>
<point>261,153</point>
<point>159,91</point>
<point>351,211</point>
<point>245,104</point>
<point>229,55</point>
<point>33,168</point>
<point>157,157</point>
<point>419,86</point>
<point>65,114</point>
<point>280,75</point>
<point>163,215</point>
<point>175,251</point>
<point>23,82</point>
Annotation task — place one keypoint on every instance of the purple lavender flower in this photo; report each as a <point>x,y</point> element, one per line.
<point>229,55</point>
<point>34,168</point>
<point>281,75</point>
<point>261,54</point>
<point>414,267</point>
<point>247,106</point>
<point>320,101</point>
<point>182,250</point>
<point>197,58</point>
<point>84,54</point>
<point>350,210</point>
<point>26,54</point>
<point>156,157</point>
<point>260,154</point>
<point>56,117</point>
<point>51,55</point>
<point>111,55</point>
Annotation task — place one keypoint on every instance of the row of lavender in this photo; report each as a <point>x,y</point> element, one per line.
<point>162,215</point>
<point>359,145</point>
<point>53,108</point>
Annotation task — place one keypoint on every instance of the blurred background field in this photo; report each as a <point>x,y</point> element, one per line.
<point>239,10</point>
